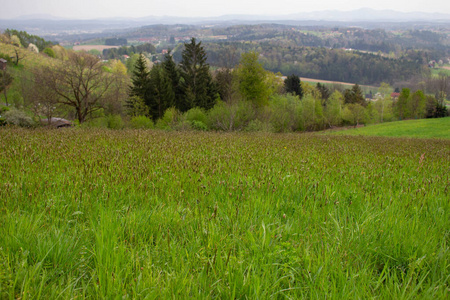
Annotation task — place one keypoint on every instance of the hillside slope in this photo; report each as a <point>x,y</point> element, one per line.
<point>423,128</point>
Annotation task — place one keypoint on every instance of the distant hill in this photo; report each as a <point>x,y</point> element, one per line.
<point>47,24</point>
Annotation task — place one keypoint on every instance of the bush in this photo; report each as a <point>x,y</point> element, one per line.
<point>258,125</point>
<point>33,48</point>
<point>181,125</point>
<point>196,114</point>
<point>230,117</point>
<point>100,122</point>
<point>285,113</point>
<point>169,120</point>
<point>114,122</point>
<point>5,57</point>
<point>142,122</point>
<point>3,110</point>
<point>199,125</point>
<point>50,52</point>
<point>18,117</point>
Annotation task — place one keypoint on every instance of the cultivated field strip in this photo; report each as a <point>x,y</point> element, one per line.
<point>153,214</point>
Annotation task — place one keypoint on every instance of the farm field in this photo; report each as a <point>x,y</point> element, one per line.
<point>422,128</point>
<point>153,214</point>
<point>314,81</point>
<point>92,47</point>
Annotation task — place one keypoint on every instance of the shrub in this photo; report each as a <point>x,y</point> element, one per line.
<point>285,113</point>
<point>169,120</point>
<point>196,114</point>
<point>50,52</point>
<point>18,117</point>
<point>114,122</point>
<point>142,122</point>
<point>3,110</point>
<point>181,125</point>
<point>199,125</point>
<point>33,48</point>
<point>5,57</point>
<point>99,122</point>
<point>258,125</point>
<point>16,41</point>
<point>230,117</point>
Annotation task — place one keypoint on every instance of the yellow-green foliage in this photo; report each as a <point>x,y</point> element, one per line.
<point>28,58</point>
<point>131,214</point>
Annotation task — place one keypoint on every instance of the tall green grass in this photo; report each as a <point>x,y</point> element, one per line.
<point>153,214</point>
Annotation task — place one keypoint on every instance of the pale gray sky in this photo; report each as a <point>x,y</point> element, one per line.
<point>86,9</point>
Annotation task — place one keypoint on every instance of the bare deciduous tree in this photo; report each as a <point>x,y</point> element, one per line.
<point>41,100</point>
<point>79,82</point>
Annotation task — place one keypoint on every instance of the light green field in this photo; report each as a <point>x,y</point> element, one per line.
<point>438,71</point>
<point>131,214</point>
<point>423,128</point>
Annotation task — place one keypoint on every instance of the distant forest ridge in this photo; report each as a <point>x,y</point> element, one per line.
<point>347,54</point>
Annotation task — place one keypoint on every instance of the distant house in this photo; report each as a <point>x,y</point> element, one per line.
<point>395,96</point>
<point>126,56</point>
<point>3,63</point>
<point>56,122</point>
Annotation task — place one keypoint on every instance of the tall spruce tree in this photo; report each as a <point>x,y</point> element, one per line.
<point>355,96</point>
<point>161,95</point>
<point>173,74</point>
<point>324,92</point>
<point>140,79</point>
<point>197,85</point>
<point>292,85</point>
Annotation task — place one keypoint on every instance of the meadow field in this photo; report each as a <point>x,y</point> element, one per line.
<point>421,128</point>
<point>134,214</point>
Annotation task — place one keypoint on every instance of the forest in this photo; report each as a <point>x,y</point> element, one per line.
<point>345,54</point>
<point>184,91</point>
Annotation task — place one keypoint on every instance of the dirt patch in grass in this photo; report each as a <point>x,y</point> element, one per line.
<point>92,47</point>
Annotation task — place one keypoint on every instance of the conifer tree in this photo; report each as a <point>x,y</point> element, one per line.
<point>173,74</point>
<point>324,92</point>
<point>161,95</point>
<point>355,96</point>
<point>197,85</point>
<point>140,79</point>
<point>292,85</point>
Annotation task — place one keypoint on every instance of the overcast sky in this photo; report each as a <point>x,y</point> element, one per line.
<point>87,9</point>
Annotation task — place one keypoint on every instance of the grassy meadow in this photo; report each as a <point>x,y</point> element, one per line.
<point>133,214</point>
<point>422,128</point>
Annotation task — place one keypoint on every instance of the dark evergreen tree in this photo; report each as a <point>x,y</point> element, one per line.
<point>434,109</point>
<point>293,85</point>
<point>140,79</point>
<point>354,95</point>
<point>135,106</point>
<point>160,93</point>
<point>224,81</point>
<point>324,92</point>
<point>173,74</point>
<point>197,85</point>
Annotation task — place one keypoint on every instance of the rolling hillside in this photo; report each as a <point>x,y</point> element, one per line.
<point>423,128</point>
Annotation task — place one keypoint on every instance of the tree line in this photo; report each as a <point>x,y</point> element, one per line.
<point>191,95</point>
<point>323,63</point>
<point>27,39</point>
